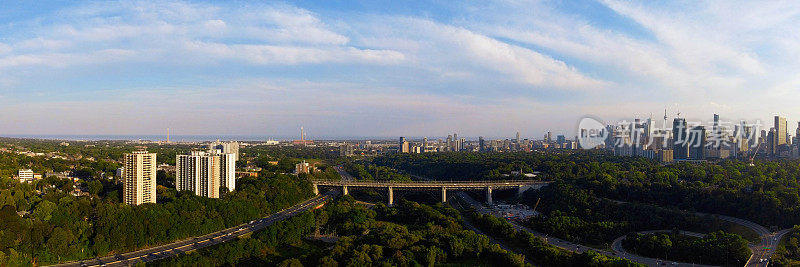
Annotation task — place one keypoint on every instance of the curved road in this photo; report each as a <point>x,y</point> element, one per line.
<point>769,240</point>
<point>183,246</point>
<point>617,247</point>
<point>764,250</point>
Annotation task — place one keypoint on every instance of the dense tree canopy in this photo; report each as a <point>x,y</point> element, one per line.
<point>717,248</point>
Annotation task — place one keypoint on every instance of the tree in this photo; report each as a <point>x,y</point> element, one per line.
<point>290,263</point>
<point>44,210</point>
<point>7,199</point>
<point>61,242</point>
<point>95,187</point>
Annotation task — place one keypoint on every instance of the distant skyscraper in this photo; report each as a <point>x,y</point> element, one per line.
<point>797,132</point>
<point>481,144</point>
<point>549,137</point>
<point>456,144</point>
<point>449,142</point>
<point>139,179</point>
<point>199,173</point>
<point>517,137</point>
<point>781,134</point>
<point>680,147</point>
<point>424,144</point>
<point>404,146</point>
<point>717,132</point>
<point>697,142</point>
<point>561,139</point>
<point>770,141</point>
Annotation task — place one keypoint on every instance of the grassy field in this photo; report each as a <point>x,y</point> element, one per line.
<point>745,232</point>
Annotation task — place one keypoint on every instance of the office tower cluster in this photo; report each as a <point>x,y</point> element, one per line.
<point>139,178</point>
<point>687,141</point>
<point>205,172</point>
<point>452,143</point>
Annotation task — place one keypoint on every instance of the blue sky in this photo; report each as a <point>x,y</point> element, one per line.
<point>389,68</point>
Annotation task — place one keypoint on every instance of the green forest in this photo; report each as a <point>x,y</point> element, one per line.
<point>766,193</point>
<point>716,248</point>
<point>43,223</point>
<point>409,234</point>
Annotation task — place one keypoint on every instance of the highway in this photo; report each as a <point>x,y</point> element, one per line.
<point>763,251</point>
<point>550,240</point>
<point>345,176</point>
<point>491,239</point>
<point>183,246</point>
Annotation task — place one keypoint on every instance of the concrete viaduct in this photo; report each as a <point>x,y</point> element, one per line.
<point>520,185</point>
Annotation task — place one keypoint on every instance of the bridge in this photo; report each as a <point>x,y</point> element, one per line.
<point>520,185</point>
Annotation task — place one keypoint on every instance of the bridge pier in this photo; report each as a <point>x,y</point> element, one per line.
<point>520,190</point>
<point>444,194</point>
<point>344,190</point>
<point>391,197</point>
<point>489,195</point>
<point>316,190</point>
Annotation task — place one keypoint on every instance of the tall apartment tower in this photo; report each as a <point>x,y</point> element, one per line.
<point>226,147</point>
<point>199,173</point>
<point>139,178</point>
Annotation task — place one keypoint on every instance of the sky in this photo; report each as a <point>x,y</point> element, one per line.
<point>390,68</point>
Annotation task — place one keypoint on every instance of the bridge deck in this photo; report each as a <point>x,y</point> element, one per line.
<point>419,184</point>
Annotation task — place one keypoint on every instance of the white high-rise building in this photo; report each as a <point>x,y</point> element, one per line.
<point>227,170</point>
<point>199,173</point>
<point>139,178</point>
<point>205,172</point>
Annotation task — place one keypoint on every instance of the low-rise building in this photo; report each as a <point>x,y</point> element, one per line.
<point>25,175</point>
<point>302,167</point>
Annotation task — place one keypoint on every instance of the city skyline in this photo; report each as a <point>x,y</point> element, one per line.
<point>388,69</point>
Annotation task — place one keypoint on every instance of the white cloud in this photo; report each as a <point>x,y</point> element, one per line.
<point>451,50</point>
<point>64,60</point>
<point>697,46</point>
<point>289,55</point>
<point>478,69</point>
<point>4,48</point>
<point>264,35</point>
